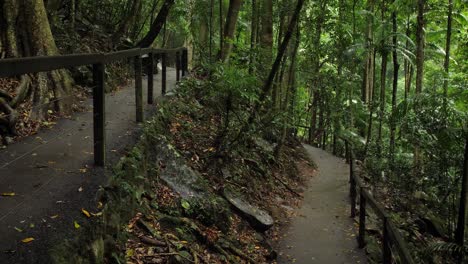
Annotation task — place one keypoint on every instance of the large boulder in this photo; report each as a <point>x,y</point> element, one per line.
<point>258,218</point>
<point>174,170</point>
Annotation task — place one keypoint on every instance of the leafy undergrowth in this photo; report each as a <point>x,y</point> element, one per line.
<point>177,230</point>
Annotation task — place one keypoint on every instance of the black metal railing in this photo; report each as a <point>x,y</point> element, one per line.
<point>393,243</point>
<point>18,66</point>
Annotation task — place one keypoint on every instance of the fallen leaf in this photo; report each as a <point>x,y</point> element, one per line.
<point>85,212</point>
<point>27,240</point>
<point>76,225</point>
<point>9,194</point>
<point>83,170</point>
<point>54,216</point>
<point>18,229</point>
<point>96,214</point>
<point>80,189</point>
<point>100,205</point>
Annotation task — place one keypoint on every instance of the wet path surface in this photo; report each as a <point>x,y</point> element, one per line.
<point>53,176</point>
<point>322,232</point>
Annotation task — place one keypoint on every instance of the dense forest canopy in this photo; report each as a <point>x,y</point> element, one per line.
<point>386,78</point>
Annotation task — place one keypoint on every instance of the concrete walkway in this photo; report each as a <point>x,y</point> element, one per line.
<point>322,232</point>
<point>53,177</point>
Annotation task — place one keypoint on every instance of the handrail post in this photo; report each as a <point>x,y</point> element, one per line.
<point>177,62</point>
<point>156,61</point>
<point>184,62</point>
<point>386,251</point>
<point>138,89</point>
<point>150,69</point>
<point>353,195</point>
<point>362,219</point>
<point>352,183</point>
<point>99,111</point>
<point>164,73</point>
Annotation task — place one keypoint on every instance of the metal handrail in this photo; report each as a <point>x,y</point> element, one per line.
<point>391,234</point>
<point>17,66</point>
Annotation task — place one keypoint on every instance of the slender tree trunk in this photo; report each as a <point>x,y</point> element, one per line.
<point>230,27</point>
<point>460,231</point>
<point>266,89</point>
<point>408,67</point>
<point>221,22</point>
<point>316,88</point>
<point>447,51</point>
<point>157,24</point>
<point>211,29</point>
<point>369,72</point>
<point>290,94</point>
<point>396,67</point>
<point>383,82</point>
<point>313,119</point>
<point>266,37</point>
<point>420,45</point>
<point>128,21</point>
<point>253,35</point>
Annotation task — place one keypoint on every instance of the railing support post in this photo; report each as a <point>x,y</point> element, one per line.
<point>177,62</point>
<point>156,61</point>
<point>150,69</point>
<point>99,111</point>
<point>386,250</point>
<point>164,73</point>
<point>352,180</point>
<point>362,220</point>
<point>138,89</point>
<point>184,62</point>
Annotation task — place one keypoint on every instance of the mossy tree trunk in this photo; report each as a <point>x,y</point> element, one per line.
<point>25,31</point>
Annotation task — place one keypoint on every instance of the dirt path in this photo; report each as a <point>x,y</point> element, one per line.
<point>53,176</point>
<point>322,231</point>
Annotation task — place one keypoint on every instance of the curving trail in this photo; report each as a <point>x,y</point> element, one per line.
<point>322,231</point>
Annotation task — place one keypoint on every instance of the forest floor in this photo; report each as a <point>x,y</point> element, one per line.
<point>47,179</point>
<point>321,231</point>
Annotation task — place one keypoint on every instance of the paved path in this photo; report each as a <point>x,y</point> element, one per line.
<point>322,231</point>
<point>53,176</point>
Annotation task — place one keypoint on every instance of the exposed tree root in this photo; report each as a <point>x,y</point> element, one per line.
<point>11,117</point>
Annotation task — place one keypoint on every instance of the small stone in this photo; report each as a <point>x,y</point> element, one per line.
<point>9,140</point>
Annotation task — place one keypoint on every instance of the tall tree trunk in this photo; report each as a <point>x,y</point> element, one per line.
<point>253,35</point>
<point>396,67</point>
<point>313,118</point>
<point>266,89</point>
<point>447,50</point>
<point>383,82</point>
<point>460,231</point>
<point>266,37</point>
<point>157,24</point>
<point>230,28</point>
<point>408,67</point>
<point>420,45</point>
<point>316,64</point>
<point>127,22</point>
<point>26,32</point>
<point>290,93</point>
<point>221,23</point>
<point>369,72</point>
